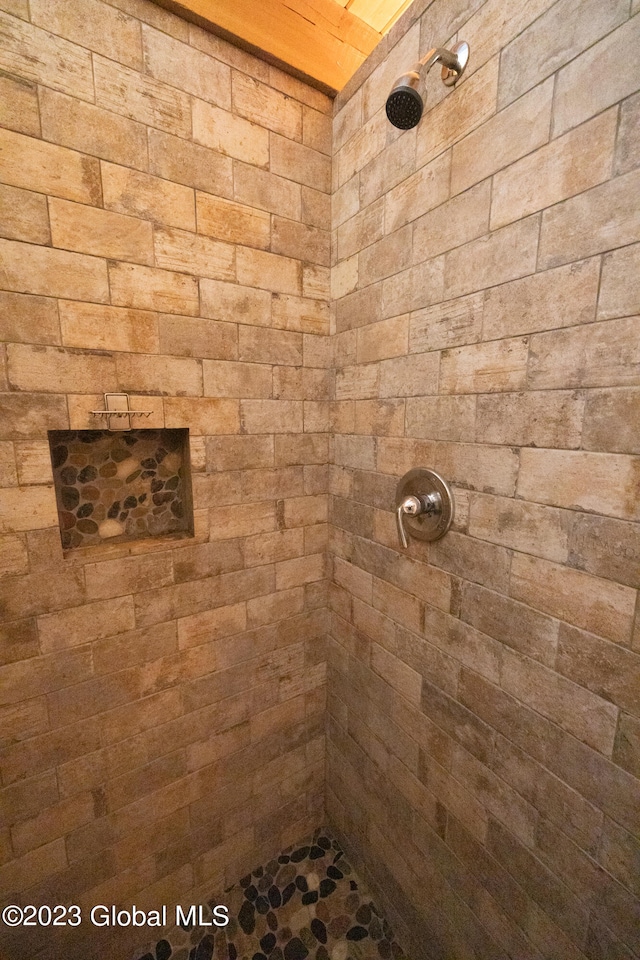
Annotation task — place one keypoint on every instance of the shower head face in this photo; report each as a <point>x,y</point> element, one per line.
<point>404,106</point>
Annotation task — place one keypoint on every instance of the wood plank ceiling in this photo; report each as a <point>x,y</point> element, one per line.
<point>321,41</point>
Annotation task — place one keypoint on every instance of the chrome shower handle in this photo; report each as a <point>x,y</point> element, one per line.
<point>416,505</point>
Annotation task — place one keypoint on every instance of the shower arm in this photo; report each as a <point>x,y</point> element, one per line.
<point>453,62</point>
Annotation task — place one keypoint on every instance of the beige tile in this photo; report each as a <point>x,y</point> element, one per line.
<point>233,302</point>
<point>150,289</point>
<point>356,452</point>
<point>587,717</point>
<point>448,324</point>
<point>293,239</point>
<point>183,66</point>
<point>25,268</point>
<point>511,134</point>
<point>269,346</point>
<point>23,215</point>
<point>344,278</point>
<point>611,419</point>
<point>141,98</point>
<point>367,143</point>
<point>27,508</point>
<point>600,219</point>
<point>299,163</point>
<point>93,621</point>
<point>299,570</point>
<point>537,419</point>
<point>257,268</point>
<point>385,257</point>
<point>577,98</point>
<point>527,527</point>
<point>96,26</point>
<point>182,161</point>
<point>46,168</point>
<point>361,230</point>
<point>415,196</point>
<point>604,483</point>
<point>35,55</point>
<point>345,201</point>
<point>240,380</point>
<point>85,229</point>
<point>52,369</point>
<point>261,189</point>
<point>380,417</point>
<point>460,112</point>
<point>316,130</point>
<point>233,222</point>
<point>597,355</point>
<point>271,416</point>
<point>273,547</point>
<point>300,313</point>
<point>504,255</point>
<point>577,598</point>
<point>92,130</point>
<point>379,341</point>
<point>397,605</point>
<point>202,415</point>
<point>441,418</point>
<point>628,145</point>
<point>19,106</point>
<point>33,461</point>
<point>211,625</point>
<point>27,416</point>
<point>410,376</point>
<point>620,285</point>
<point>389,168</point>
<point>262,104</point>
<point>140,195</point>
<point>192,253</point>
<point>606,548</point>
<point>167,376</point>
<point>499,365</point>
<point>478,466</point>
<point>14,560</point>
<point>194,337</point>
<point>562,297</point>
<point>230,135</point>
<point>563,168</point>
<point>363,306</point>
<point>459,220</point>
<point>545,46</point>
<point>357,383</point>
<point>8,474</point>
<point>492,27</point>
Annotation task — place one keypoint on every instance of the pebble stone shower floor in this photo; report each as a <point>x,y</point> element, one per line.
<point>307,902</point>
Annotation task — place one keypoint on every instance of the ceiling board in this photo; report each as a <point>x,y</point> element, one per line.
<point>322,41</point>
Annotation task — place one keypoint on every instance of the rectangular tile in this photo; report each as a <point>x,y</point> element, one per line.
<point>95,327</point>
<point>562,168</point>
<point>148,288</point>
<point>183,66</point>
<point>414,196</point>
<point>232,222</point>
<point>36,55</point>
<point>441,418</point>
<point>270,108</point>
<point>577,598</point>
<point>150,198</point>
<point>628,145</point>
<point>601,354</point>
<point>448,324</point>
<point>230,135</point>
<point>574,102</point>
<point>509,135</point>
<point>539,418</point>
<point>26,268</point>
<point>455,222</point>
<point>610,420</point>
<point>504,255</point>
<point>620,286</point>
<point>257,268</point>
<point>606,548</point>
<point>141,98</point>
<point>527,527</point>
<point>266,191</point>
<point>23,215</point>
<point>196,337</point>
<point>499,365</point>
<point>188,252</point>
<point>606,669</point>
<point>241,380</point>
<point>601,219</point>
<point>46,168</point>
<point>97,26</point>
<point>543,47</point>
<point>19,106</point>
<point>84,229</point>
<point>183,161</point>
<point>535,635</point>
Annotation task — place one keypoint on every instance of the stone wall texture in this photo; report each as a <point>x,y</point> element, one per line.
<point>484,691</point>
<point>164,214</point>
<point>469,303</point>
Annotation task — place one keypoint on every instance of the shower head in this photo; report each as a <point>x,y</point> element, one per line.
<point>404,103</point>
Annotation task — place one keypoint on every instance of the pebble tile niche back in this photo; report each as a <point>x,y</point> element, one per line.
<point>121,486</point>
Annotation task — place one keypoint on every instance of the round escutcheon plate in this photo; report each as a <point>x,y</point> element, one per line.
<point>421,482</point>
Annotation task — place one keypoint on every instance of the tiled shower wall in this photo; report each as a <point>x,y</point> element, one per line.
<point>164,201</point>
<point>484,691</point>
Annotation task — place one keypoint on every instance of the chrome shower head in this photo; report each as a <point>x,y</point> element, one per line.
<point>404,103</point>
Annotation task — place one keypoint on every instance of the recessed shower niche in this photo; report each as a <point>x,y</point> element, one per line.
<point>113,487</point>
